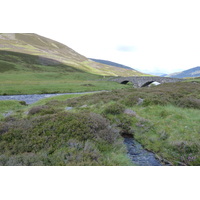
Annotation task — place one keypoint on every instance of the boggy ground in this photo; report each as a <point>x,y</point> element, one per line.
<point>165,119</point>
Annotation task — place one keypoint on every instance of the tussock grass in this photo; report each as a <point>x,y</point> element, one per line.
<point>172,132</point>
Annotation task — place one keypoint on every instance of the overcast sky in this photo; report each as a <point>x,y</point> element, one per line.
<point>148,35</point>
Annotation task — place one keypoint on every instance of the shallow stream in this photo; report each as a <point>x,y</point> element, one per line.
<point>139,155</point>
<point>32,98</point>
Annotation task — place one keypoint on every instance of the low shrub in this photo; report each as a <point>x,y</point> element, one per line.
<point>42,110</point>
<point>125,125</point>
<point>55,103</point>
<point>25,159</point>
<point>88,85</point>
<point>189,102</point>
<point>154,99</point>
<point>185,147</point>
<point>114,109</point>
<point>23,103</point>
<point>130,100</point>
<point>98,98</point>
<point>77,137</point>
<point>77,153</point>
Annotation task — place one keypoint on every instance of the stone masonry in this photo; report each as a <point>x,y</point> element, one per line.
<point>142,81</point>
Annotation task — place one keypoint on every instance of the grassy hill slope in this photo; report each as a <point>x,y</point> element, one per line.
<point>34,44</point>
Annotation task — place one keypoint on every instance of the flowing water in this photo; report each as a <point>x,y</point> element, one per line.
<point>32,98</point>
<point>139,155</point>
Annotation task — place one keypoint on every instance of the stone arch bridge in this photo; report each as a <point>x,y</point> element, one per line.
<point>142,81</point>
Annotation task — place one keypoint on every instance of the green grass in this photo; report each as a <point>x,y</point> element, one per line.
<point>41,83</point>
<point>9,106</point>
<point>197,79</point>
<point>57,98</point>
<point>28,74</point>
<point>173,133</point>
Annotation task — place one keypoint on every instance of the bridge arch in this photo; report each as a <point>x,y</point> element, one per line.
<point>125,82</point>
<point>148,83</point>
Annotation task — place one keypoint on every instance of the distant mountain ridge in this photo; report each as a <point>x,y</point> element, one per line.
<point>158,74</point>
<point>107,62</point>
<point>193,72</point>
<point>36,45</point>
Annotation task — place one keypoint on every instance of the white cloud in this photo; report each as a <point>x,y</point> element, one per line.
<point>164,34</point>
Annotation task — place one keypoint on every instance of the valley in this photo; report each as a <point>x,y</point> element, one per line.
<point>92,125</point>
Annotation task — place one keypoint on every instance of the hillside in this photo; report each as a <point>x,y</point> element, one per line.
<point>193,72</point>
<point>111,63</point>
<point>33,44</point>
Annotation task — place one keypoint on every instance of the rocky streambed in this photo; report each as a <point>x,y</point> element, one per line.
<point>32,98</point>
<point>139,155</point>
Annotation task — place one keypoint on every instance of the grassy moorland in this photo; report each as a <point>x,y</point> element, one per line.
<point>13,106</point>
<point>30,74</point>
<point>49,135</point>
<point>46,83</point>
<point>165,119</point>
<point>195,79</point>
